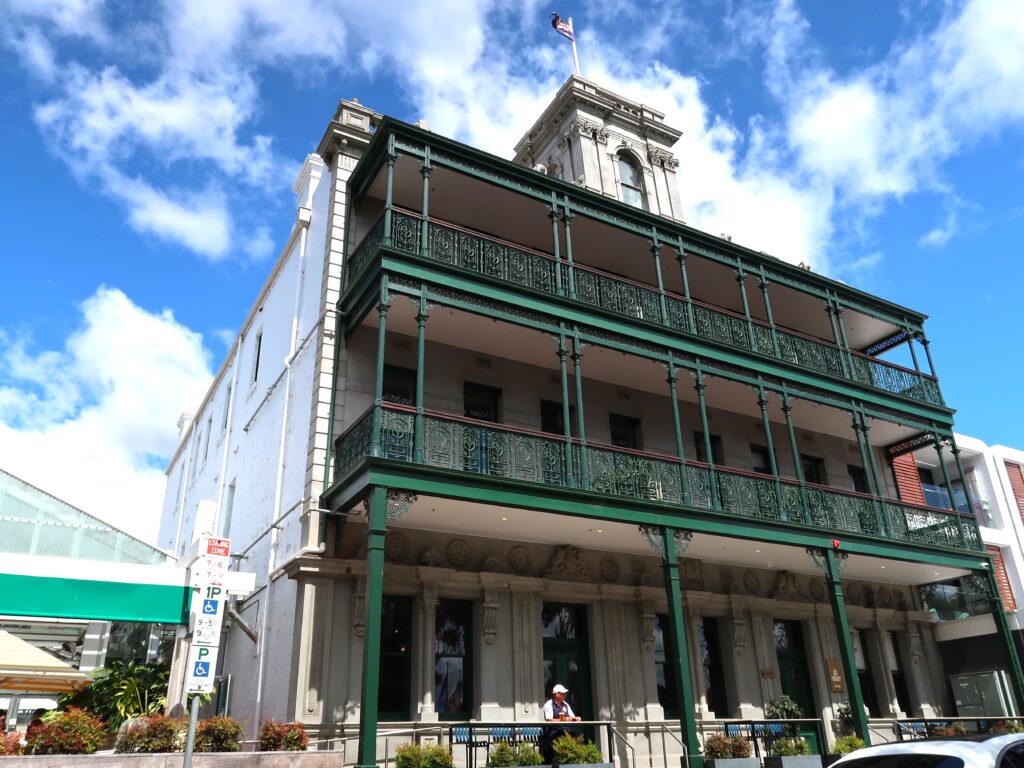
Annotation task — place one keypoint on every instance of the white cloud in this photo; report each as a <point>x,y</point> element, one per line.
<point>87,422</point>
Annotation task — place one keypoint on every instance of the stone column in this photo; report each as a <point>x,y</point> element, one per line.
<point>428,713</point>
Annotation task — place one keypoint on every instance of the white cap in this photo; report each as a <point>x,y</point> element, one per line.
<point>559,689</point>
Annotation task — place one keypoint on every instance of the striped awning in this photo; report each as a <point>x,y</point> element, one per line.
<point>27,669</point>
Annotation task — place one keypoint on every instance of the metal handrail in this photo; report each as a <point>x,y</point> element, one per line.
<point>624,740</point>
<point>663,729</point>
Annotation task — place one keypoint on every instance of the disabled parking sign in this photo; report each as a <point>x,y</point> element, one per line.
<point>202,666</point>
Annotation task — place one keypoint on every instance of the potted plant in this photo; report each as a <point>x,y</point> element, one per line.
<point>571,751</point>
<point>791,750</point>
<point>728,752</point>
<point>842,725</point>
<point>423,756</point>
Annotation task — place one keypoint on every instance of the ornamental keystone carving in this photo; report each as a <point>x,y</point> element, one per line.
<point>788,588</point>
<point>647,631</point>
<point>567,564</point>
<point>490,617</point>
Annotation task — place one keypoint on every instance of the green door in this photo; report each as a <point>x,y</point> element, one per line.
<point>795,675</point>
<point>566,655</point>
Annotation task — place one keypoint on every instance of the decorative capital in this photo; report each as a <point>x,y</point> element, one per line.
<point>391,156</point>
<point>762,403</point>
<point>553,213</point>
<point>567,216</point>
<point>819,557</point>
<point>652,536</point>
<point>763,283</point>
<point>671,375</point>
<point>741,276</point>
<point>399,503</point>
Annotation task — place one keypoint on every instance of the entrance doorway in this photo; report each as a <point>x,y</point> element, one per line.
<point>567,655</point>
<point>794,674</point>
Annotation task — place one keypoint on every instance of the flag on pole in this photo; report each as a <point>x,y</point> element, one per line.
<point>564,28</point>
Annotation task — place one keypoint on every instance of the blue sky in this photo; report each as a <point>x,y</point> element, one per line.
<point>149,150</point>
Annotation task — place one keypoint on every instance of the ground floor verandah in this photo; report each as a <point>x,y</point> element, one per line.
<point>483,608</point>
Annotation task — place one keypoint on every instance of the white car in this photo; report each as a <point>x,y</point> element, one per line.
<point>965,752</point>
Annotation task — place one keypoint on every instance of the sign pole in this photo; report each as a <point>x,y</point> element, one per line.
<point>190,739</point>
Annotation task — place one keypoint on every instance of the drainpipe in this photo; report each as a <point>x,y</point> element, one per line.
<point>181,493</point>
<point>302,221</point>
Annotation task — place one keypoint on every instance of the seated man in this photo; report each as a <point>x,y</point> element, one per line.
<point>556,709</point>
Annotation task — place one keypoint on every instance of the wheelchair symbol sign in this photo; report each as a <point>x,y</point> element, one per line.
<point>201,669</point>
<point>210,607</point>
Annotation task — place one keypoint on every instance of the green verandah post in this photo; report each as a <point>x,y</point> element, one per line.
<point>680,665</point>
<point>376,531</point>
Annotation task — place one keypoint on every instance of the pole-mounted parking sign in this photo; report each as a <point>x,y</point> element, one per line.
<point>206,575</point>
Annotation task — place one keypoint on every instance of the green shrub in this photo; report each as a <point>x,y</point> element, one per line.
<point>847,744</point>
<point>527,754</point>
<point>791,747</point>
<point>436,756</point>
<point>283,737</point>
<point>719,747</point>
<point>408,756</point>
<point>158,733</point>
<point>1006,726</point>
<point>10,744</point>
<point>783,708</point>
<point>218,734</point>
<point>572,751</point>
<point>501,755</point>
<point>74,732</point>
<point>123,690</point>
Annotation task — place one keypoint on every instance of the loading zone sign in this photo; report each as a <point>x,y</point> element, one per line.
<point>202,666</point>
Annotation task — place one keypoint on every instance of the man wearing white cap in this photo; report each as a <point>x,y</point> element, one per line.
<point>556,709</point>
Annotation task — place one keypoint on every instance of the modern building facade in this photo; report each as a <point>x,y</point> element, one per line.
<point>530,428</point>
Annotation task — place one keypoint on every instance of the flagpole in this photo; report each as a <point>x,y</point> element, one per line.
<point>575,55</point>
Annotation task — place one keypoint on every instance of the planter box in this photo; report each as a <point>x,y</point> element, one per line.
<point>795,761</point>
<point>587,765</point>
<point>733,762</point>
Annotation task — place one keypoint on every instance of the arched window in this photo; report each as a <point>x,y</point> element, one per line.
<point>630,180</point>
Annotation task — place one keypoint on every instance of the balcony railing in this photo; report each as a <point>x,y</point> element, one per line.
<point>515,264</point>
<point>499,451</point>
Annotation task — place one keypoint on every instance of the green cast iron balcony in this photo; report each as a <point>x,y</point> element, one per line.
<point>520,266</point>
<point>483,448</point>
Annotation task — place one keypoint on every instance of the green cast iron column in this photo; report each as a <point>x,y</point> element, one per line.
<point>376,531</point>
<point>835,321</point>
<point>656,252</point>
<point>421,346</point>
<point>378,383</point>
<point>567,223</point>
<point>680,665</point>
<point>741,280</point>
<point>855,423</point>
<point>763,283</point>
<point>1003,630</point>
<point>949,492</point>
<point>681,258</point>
<point>762,402</point>
<point>787,411</point>
<point>577,355</point>
<point>553,215</point>
<point>716,500</point>
<point>865,429</point>
<point>928,353</point>
<point>563,352</point>
<point>425,220</point>
<point>389,189</point>
<point>968,498</point>
<point>845,343</point>
<point>673,377</point>
<point>842,625</point>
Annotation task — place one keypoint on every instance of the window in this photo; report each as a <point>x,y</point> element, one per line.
<point>227,407</point>
<point>552,419</point>
<point>711,663</point>
<point>453,665</point>
<point>625,431</point>
<point>858,478</point>
<point>257,350</point>
<point>630,180</point>
<point>229,505</point>
<point>395,658</point>
<point>761,460</point>
<point>482,402</point>
<point>926,475</point>
<point>701,449</point>
<point>399,385</point>
<point>664,673</point>
<point>813,468</point>
<point>206,442</point>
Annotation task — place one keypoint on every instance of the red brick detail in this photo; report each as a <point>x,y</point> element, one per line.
<point>1017,484</point>
<point>1002,579</point>
<point>908,481</point>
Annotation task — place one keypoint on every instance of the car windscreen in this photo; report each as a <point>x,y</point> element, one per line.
<point>911,760</point>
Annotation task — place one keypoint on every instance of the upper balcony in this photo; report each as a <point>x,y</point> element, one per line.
<point>571,250</point>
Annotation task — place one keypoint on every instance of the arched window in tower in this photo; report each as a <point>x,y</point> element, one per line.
<point>630,180</point>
